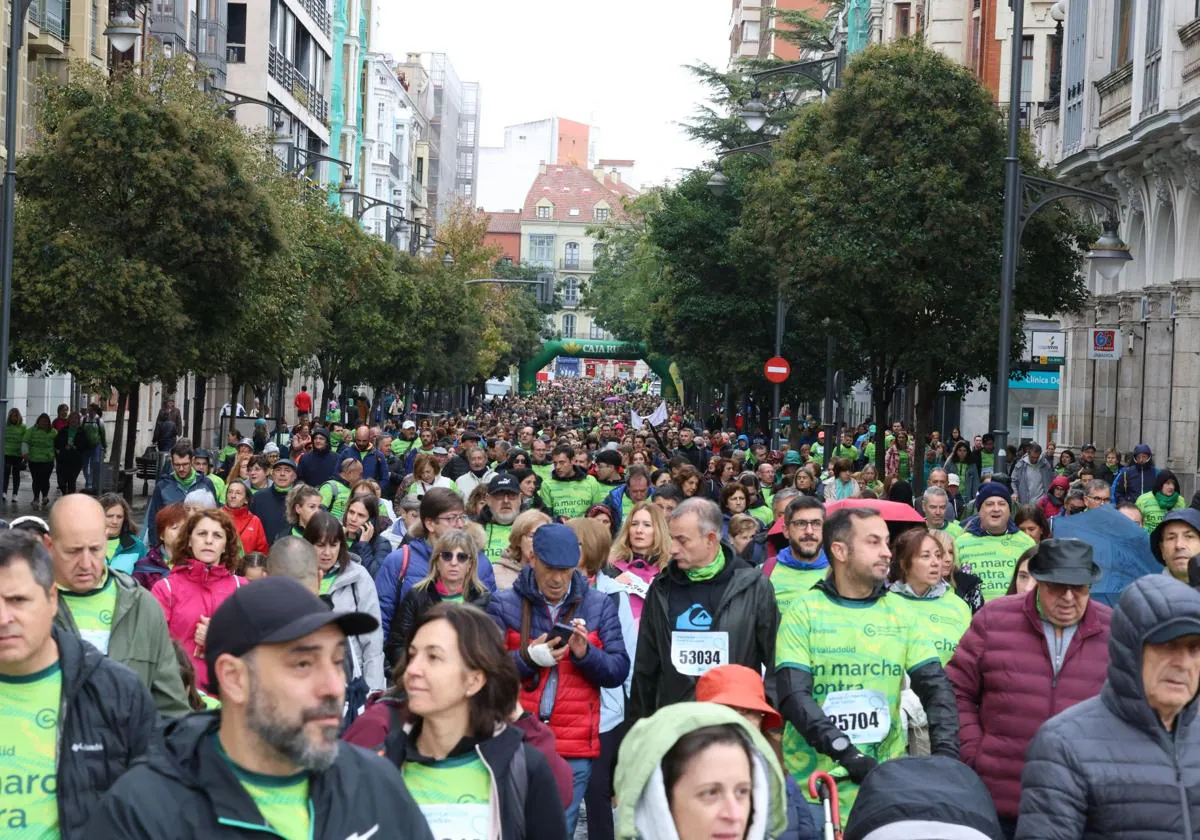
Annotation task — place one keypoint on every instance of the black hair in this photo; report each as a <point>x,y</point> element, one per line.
<point>840,526</point>
<point>1032,513</point>
<point>1162,478</point>
<point>181,448</point>
<point>482,649</point>
<point>802,503</point>
<point>669,492</point>
<point>323,527</point>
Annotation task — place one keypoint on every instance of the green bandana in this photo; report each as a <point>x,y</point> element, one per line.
<point>707,572</point>
<point>189,481</point>
<point>1166,502</point>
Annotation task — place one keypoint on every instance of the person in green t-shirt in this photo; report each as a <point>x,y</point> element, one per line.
<point>937,612</point>
<point>71,719</point>
<point>842,655</point>
<point>800,566</point>
<point>570,491</point>
<point>935,506</point>
<point>991,544</point>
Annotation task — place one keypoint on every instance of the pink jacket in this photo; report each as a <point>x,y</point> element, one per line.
<point>1006,687</point>
<point>193,590</point>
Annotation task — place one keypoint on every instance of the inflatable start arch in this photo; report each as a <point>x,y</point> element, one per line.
<point>672,387</point>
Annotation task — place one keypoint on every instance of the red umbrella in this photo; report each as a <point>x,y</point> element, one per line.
<point>890,511</point>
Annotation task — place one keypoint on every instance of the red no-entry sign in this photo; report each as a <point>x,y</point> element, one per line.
<point>777,369</point>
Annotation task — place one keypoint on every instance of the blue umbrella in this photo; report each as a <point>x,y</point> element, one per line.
<point>1121,546</point>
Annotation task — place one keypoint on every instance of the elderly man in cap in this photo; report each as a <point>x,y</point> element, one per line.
<point>270,762</point>
<point>501,508</point>
<point>1023,660</point>
<point>1126,764</point>
<point>991,543</point>
<point>566,641</point>
<point>1175,541</point>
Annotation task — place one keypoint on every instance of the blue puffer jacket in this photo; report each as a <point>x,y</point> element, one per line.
<point>1106,768</point>
<point>1136,479</point>
<point>576,683</point>
<point>392,590</point>
<point>616,503</point>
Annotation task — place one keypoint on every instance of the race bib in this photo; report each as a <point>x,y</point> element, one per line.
<point>457,822</point>
<point>633,584</point>
<point>863,715</point>
<point>695,651</point>
<point>97,639</point>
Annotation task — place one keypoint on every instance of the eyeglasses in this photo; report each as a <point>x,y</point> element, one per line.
<point>454,557</point>
<point>453,518</point>
<point>806,524</point>
<point>1099,498</point>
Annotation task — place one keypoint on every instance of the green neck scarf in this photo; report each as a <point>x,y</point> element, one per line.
<point>189,481</point>
<point>1166,502</point>
<point>707,572</point>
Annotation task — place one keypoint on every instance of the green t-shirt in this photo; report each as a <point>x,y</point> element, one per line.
<point>29,708</point>
<point>542,471</point>
<point>943,620</point>
<point>791,583</point>
<point>858,653</point>
<point>453,795</point>
<point>93,612</point>
<point>992,559</point>
<point>110,549</point>
<point>571,499</point>
<point>497,540</point>
<point>763,514</point>
<point>327,580</point>
<point>281,800</point>
<point>335,497</point>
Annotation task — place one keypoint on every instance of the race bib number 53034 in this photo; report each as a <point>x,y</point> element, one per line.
<point>695,652</point>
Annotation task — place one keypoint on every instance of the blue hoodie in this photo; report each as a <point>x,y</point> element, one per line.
<point>1136,479</point>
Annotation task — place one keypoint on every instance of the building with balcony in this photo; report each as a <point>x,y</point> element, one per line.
<point>1128,123</point>
<point>754,34</point>
<point>280,52</point>
<point>393,128</point>
<point>451,172</point>
<point>506,171</point>
<point>351,28</point>
<point>192,27</point>
<point>560,207</point>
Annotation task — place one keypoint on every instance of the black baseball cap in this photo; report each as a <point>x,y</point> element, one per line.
<point>504,483</point>
<point>272,611</point>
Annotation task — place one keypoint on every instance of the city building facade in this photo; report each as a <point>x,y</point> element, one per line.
<point>453,137</point>
<point>1129,125</point>
<point>350,30</point>
<point>755,33</point>
<point>561,207</point>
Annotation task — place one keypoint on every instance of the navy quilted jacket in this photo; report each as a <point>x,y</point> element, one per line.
<point>1107,768</point>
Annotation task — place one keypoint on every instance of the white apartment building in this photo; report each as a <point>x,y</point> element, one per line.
<point>1129,125</point>
<point>506,171</point>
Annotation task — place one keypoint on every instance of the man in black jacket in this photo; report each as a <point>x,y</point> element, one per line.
<point>270,762</point>
<point>707,608</point>
<point>270,503</point>
<point>71,719</point>
<point>697,456</point>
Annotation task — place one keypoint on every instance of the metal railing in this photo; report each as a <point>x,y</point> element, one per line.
<point>51,16</point>
<point>235,53</point>
<point>575,264</point>
<point>319,13</point>
<point>284,72</point>
<point>394,166</point>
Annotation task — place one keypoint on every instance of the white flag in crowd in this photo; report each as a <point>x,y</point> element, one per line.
<point>659,416</point>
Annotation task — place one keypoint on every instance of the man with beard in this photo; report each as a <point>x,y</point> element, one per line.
<point>270,760</point>
<point>503,505</point>
<point>798,567</point>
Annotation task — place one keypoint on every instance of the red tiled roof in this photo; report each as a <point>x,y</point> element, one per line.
<point>570,187</point>
<point>504,222</point>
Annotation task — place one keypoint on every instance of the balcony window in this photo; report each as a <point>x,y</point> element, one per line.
<point>570,291</point>
<point>541,249</point>
<point>1026,69</point>
<point>750,30</point>
<point>1154,25</point>
<point>235,50</point>
<point>568,326</point>
<point>1076,73</point>
<point>571,256</point>
<point>1122,27</point>
<point>903,20</point>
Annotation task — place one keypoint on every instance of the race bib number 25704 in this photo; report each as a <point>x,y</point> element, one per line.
<point>863,715</point>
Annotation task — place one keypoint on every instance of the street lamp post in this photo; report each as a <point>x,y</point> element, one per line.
<point>1023,196</point>
<point>16,37</point>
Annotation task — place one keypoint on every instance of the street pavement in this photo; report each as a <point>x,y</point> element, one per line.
<point>23,505</point>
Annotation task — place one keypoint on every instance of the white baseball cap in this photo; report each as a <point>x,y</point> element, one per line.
<point>408,424</point>
<point>954,480</point>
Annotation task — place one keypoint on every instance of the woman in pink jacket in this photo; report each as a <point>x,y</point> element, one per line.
<point>202,578</point>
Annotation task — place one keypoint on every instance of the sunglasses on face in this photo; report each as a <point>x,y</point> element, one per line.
<point>454,557</point>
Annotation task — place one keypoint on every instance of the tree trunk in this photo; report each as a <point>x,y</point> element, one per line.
<point>135,402</point>
<point>114,455</point>
<point>326,391</point>
<point>924,406</point>
<point>198,411</point>
<point>235,386</point>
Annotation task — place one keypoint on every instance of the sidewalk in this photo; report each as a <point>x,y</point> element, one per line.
<point>24,501</point>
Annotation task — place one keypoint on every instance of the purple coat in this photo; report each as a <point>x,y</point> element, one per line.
<point>1006,688</point>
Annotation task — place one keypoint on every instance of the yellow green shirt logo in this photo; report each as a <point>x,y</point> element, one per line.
<point>93,612</point>
<point>453,795</point>
<point>28,751</point>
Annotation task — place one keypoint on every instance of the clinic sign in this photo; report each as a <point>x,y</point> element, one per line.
<point>1105,345</point>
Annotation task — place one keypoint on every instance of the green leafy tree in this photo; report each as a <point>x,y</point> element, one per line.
<point>884,207</point>
<point>139,228</point>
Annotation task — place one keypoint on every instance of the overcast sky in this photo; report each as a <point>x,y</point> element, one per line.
<point>616,64</point>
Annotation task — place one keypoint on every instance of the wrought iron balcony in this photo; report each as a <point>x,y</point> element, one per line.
<point>284,72</point>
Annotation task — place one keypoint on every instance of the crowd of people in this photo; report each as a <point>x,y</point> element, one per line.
<point>505,622</point>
